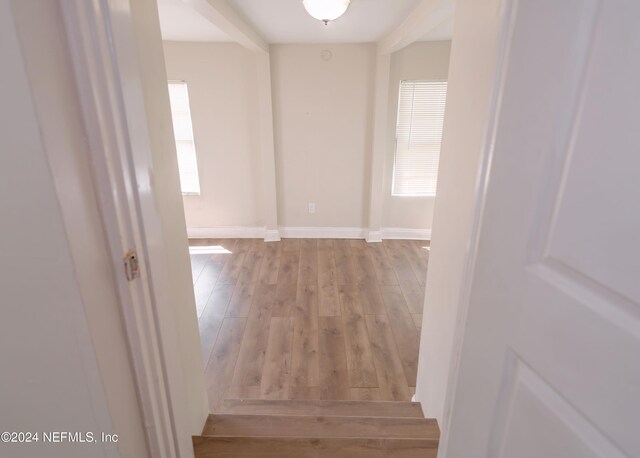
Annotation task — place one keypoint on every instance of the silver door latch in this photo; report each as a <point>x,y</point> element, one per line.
<point>131,265</point>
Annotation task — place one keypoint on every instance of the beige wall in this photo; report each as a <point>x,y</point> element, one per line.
<point>421,60</point>
<point>322,121</point>
<point>223,94</point>
<point>471,80</point>
<point>322,126</point>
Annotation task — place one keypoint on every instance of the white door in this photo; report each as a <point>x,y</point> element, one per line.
<point>550,364</point>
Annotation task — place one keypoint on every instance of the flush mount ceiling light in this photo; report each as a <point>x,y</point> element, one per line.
<point>326,10</point>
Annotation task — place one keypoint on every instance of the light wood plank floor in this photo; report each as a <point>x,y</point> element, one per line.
<point>309,318</point>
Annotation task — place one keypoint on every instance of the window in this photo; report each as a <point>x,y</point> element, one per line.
<point>183,131</point>
<point>418,137</point>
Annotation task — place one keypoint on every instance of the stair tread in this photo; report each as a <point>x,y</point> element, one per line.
<point>326,408</point>
<point>308,447</point>
<point>320,426</point>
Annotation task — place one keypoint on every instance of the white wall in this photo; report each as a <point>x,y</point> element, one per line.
<point>420,60</point>
<point>471,79</point>
<point>223,94</point>
<point>64,363</point>
<point>71,369</point>
<point>322,122</point>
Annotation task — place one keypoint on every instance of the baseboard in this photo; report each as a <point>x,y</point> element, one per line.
<point>399,233</point>
<point>323,232</point>
<point>386,233</point>
<point>231,232</point>
<point>272,235</point>
<point>374,236</point>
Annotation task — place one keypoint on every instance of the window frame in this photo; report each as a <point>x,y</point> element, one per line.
<point>395,152</point>
<point>193,140</point>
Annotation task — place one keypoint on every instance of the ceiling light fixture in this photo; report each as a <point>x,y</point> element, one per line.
<point>326,10</point>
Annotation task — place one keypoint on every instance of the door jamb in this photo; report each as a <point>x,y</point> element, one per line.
<point>90,28</point>
<point>482,183</point>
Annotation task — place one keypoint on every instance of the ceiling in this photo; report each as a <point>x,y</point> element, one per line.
<point>180,22</point>
<point>444,31</point>
<point>286,21</point>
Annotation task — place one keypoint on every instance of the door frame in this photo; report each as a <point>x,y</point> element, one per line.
<point>503,44</point>
<point>123,186</point>
<point>97,61</point>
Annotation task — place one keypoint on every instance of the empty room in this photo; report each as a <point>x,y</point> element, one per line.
<point>319,228</point>
<point>308,272</point>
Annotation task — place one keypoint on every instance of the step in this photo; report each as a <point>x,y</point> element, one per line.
<point>321,408</point>
<point>307,447</point>
<point>320,426</point>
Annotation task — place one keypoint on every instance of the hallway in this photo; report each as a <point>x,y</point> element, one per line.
<point>309,318</point>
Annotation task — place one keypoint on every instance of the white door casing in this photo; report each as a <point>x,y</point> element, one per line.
<point>550,362</point>
<point>100,35</point>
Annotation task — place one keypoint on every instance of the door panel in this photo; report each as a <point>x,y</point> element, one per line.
<point>561,431</point>
<point>550,365</point>
<point>587,358</point>
<point>594,219</point>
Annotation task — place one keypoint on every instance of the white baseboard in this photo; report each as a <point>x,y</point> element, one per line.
<point>323,232</point>
<point>399,233</point>
<point>373,236</point>
<point>386,233</point>
<point>231,232</point>
<point>272,235</point>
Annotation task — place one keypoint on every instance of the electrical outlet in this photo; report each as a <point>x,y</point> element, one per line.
<point>312,207</point>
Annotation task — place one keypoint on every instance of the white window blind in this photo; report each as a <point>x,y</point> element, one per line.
<point>418,137</point>
<point>183,131</point>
